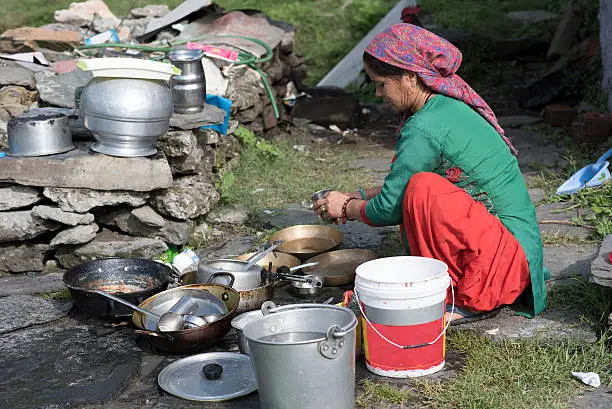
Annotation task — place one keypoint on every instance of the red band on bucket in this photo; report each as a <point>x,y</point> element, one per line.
<point>382,355</point>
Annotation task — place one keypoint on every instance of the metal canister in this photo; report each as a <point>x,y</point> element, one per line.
<point>189,88</point>
<point>322,194</point>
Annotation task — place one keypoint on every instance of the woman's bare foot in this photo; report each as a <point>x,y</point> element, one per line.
<point>452,317</point>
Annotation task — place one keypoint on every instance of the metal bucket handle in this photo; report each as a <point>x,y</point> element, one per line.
<point>334,331</point>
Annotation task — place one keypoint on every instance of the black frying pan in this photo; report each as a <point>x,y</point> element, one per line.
<point>134,280</point>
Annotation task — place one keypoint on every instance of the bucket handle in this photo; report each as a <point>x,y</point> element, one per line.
<point>269,307</point>
<point>408,346</point>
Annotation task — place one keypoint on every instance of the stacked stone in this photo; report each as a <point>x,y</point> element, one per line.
<point>251,104</point>
<point>67,209</point>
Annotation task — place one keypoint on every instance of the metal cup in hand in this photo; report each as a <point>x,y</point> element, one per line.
<point>322,194</point>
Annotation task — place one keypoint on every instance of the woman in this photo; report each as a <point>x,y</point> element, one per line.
<point>455,187</point>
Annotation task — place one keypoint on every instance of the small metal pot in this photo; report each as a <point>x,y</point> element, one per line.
<point>244,280</point>
<point>239,323</point>
<point>39,132</point>
<point>305,289</point>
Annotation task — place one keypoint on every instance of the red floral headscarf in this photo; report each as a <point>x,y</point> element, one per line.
<point>435,61</point>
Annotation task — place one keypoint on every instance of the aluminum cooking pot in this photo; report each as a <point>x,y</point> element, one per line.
<point>39,132</point>
<point>126,115</point>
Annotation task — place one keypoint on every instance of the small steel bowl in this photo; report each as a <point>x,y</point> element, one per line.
<point>303,289</point>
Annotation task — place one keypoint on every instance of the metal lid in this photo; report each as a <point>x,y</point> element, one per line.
<point>188,378</point>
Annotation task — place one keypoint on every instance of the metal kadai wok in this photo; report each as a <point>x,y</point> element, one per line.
<point>133,280</point>
<point>192,340</point>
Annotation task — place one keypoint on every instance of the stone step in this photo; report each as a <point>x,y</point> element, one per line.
<point>552,326</point>
<point>569,261</point>
<point>22,311</point>
<point>25,284</point>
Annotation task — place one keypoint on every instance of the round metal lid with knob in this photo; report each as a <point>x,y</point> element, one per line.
<point>209,377</point>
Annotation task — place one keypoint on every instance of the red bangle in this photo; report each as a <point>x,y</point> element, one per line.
<point>346,202</point>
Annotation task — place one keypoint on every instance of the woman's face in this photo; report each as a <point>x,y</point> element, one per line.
<point>395,91</point>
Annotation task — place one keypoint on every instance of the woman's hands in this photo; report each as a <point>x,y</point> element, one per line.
<point>331,206</point>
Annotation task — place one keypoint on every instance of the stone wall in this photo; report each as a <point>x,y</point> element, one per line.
<point>69,208</point>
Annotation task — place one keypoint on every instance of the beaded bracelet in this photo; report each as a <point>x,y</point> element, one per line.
<point>363,196</point>
<point>346,202</point>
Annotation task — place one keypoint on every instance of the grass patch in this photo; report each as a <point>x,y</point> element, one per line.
<point>61,295</point>
<point>560,239</point>
<point>371,393</point>
<point>261,181</point>
<point>525,374</point>
<point>594,301</point>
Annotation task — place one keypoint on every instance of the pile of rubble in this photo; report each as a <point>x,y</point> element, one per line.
<point>61,210</point>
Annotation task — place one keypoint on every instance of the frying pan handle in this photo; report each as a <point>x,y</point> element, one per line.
<point>154,334</point>
<point>221,274</point>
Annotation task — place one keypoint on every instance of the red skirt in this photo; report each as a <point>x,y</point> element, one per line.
<point>485,261</point>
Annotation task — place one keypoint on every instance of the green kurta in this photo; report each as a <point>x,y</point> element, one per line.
<point>446,134</point>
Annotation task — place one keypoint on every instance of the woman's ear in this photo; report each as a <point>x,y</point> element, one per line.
<point>409,80</point>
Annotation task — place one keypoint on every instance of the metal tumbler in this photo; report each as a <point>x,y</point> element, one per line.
<point>322,194</point>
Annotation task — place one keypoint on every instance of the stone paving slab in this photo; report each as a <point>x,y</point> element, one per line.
<point>35,284</point>
<point>601,269</point>
<point>568,261</point>
<point>375,164</point>
<point>558,212</point>
<point>82,169</point>
<point>552,326</point>
<point>600,398</point>
<point>70,364</point>
<point>22,311</point>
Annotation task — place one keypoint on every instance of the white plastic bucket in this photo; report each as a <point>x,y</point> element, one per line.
<point>403,301</point>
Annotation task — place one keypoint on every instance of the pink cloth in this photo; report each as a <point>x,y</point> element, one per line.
<point>435,61</point>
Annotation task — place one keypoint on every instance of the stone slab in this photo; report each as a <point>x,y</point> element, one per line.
<point>21,225</point>
<point>600,398</point>
<point>110,244</point>
<point>536,194</point>
<point>210,115</point>
<point>31,284</point>
<point>59,89</point>
<point>231,214</point>
<point>569,261</point>
<point>38,311</point>
<point>189,197</point>
<point>228,246</point>
<point>375,164</point>
<point>81,168</point>
<point>83,200</point>
<point>557,211</point>
<point>601,269</point>
<point>22,258</point>
<point>65,365</point>
<point>552,326</point>
<point>12,73</point>
<point>15,197</point>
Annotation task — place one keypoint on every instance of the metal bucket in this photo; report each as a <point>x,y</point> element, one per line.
<point>304,356</point>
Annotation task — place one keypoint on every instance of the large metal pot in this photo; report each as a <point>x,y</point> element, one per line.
<point>126,115</point>
<point>304,356</point>
<point>188,341</point>
<point>39,132</point>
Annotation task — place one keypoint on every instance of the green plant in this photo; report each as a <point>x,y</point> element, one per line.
<point>373,393</point>
<point>249,139</point>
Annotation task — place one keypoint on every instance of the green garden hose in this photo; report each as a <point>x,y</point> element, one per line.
<point>243,57</point>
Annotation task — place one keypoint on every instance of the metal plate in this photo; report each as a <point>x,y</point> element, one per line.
<point>184,378</point>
